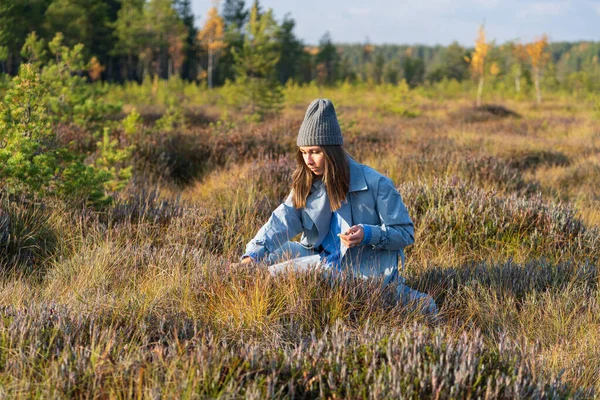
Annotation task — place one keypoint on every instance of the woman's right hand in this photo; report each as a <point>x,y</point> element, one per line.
<point>246,260</point>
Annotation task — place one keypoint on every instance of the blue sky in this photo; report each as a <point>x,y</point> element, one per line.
<point>434,21</point>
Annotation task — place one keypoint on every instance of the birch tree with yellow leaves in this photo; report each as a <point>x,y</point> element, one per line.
<point>211,38</point>
<point>519,53</point>
<point>477,61</point>
<point>538,58</point>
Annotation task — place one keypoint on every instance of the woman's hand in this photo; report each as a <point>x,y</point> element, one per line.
<point>246,261</point>
<point>353,236</point>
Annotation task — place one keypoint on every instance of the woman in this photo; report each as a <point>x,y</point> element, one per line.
<point>351,217</point>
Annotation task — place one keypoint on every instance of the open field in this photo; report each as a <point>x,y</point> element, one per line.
<point>139,300</point>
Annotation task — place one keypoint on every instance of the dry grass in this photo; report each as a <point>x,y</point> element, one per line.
<point>140,300</point>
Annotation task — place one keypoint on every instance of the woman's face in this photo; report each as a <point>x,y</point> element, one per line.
<point>314,158</point>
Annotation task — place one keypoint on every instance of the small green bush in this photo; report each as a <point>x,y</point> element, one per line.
<point>71,99</point>
<point>31,159</point>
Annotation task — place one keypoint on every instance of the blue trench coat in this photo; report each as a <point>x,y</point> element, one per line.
<point>372,201</point>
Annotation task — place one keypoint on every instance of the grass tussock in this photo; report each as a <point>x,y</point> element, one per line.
<point>484,113</point>
<point>457,223</point>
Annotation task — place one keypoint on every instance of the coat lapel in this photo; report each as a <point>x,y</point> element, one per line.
<point>357,183</point>
<point>345,212</point>
<point>317,209</point>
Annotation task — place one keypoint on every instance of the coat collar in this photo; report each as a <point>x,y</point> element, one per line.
<point>358,181</point>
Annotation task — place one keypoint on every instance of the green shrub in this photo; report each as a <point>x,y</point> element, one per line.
<point>399,100</point>
<point>172,119</point>
<point>132,124</point>
<point>71,99</point>
<point>33,161</point>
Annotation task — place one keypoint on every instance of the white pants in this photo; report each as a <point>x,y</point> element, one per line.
<point>301,259</point>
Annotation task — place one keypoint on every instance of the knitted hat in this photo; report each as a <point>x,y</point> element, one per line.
<point>320,126</point>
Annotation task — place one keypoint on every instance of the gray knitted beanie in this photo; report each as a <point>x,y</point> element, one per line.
<point>320,126</point>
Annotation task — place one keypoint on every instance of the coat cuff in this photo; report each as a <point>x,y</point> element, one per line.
<point>368,233</point>
<point>251,254</point>
<point>257,251</point>
<point>377,236</point>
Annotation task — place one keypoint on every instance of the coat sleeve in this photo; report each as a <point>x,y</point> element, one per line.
<point>284,223</point>
<point>396,230</point>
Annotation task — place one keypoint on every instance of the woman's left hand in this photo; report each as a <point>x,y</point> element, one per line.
<point>353,236</point>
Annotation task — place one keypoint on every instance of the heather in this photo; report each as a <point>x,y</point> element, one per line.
<point>135,295</point>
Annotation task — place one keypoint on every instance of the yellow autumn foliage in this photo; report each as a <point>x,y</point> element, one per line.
<point>537,56</point>
<point>494,69</point>
<point>313,51</point>
<point>95,69</point>
<point>212,34</point>
<point>477,60</point>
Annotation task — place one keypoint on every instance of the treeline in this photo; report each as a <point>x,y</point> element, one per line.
<point>419,63</point>
<point>134,38</point>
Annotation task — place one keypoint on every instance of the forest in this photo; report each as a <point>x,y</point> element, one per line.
<point>132,39</point>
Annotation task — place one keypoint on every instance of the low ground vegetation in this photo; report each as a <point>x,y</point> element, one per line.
<point>136,297</point>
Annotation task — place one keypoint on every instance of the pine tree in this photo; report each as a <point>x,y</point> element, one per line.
<point>378,67</point>
<point>83,22</point>
<point>189,69</point>
<point>234,13</point>
<point>327,60</point>
<point>34,50</point>
<point>256,64</point>
<point>414,69</point>
<point>288,66</point>
<point>7,27</point>
<point>130,32</point>
<point>451,63</point>
<point>18,18</point>
<point>31,159</point>
<point>165,33</point>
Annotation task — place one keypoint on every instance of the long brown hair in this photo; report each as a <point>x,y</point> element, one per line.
<point>336,177</point>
